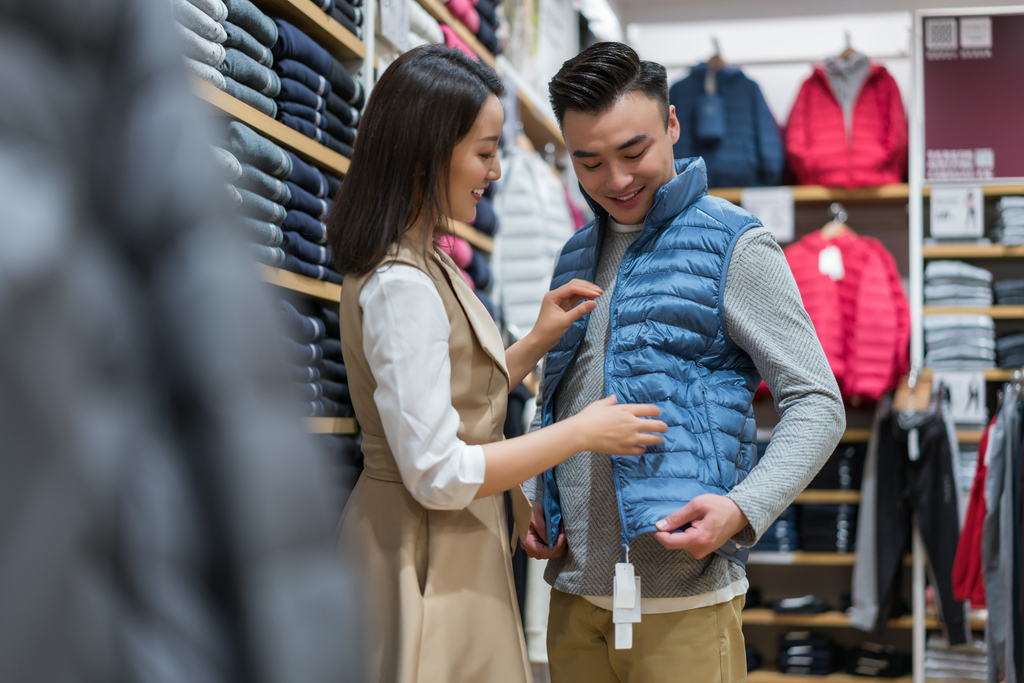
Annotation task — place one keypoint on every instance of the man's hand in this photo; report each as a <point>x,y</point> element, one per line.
<point>713,520</point>
<point>536,542</point>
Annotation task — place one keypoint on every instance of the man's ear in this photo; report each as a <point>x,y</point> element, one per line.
<point>673,124</point>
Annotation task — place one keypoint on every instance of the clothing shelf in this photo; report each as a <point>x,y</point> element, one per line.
<point>767,617</point>
<point>973,436</point>
<point>896,191</point>
<point>972,251</point>
<point>318,289</point>
<point>768,676</point>
<point>437,10</point>
<point>311,151</point>
<point>837,497</point>
<point>998,312</point>
<point>855,436</point>
<point>473,236</point>
<point>332,425</point>
<point>803,557</point>
<point>991,375</point>
<point>318,25</point>
<point>539,128</point>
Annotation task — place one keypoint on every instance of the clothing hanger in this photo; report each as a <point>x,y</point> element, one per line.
<point>848,51</point>
<point>837,226</point>
<point>715,62</point>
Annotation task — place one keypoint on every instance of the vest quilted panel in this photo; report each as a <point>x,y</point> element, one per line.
<point>668,346</point>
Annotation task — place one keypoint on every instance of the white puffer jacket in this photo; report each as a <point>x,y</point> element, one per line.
<point>535,225</point>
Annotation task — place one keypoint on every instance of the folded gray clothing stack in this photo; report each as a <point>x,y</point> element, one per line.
<point>1009,292</point>
<point>958,662</point>
<point>201,36</point>
<point>1010,221</point>
<point>954,283</point>
<point>1010,350</point>
<point>959,342</point>
<point>246,35</point>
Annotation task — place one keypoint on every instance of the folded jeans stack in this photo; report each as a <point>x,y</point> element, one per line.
<point>959,342</point>
<point>843,470</point>
<point>878,661</point>
<point>277,188</point>
<point>245,69</point>
<point>807,604</point>
<point>1010,221</point>
<point>959,662</point>
<point>828,528</point>
<point>808,654</point>
<point>318,97</point>
<point>336,400</point>
<point>1010,349</point>
<point>782,536</point>
<point>304,336</point>
<point>1009,292</point>
<point>423,28</point>
<point>954,283</point>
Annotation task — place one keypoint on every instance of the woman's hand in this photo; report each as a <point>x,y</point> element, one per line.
<point>559,310</point>
<point>607,427</point>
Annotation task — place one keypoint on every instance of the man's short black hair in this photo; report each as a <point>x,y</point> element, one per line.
<point>595,79</point>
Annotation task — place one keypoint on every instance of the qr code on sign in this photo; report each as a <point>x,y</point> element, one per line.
<point>940,34</point>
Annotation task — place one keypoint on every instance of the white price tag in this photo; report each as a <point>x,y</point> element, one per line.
<point>631,614</point>
<point>773,206</point>
<point>624,586</point>
<point>623,636</point>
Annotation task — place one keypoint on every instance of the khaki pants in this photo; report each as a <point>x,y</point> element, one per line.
<point>704,645</point>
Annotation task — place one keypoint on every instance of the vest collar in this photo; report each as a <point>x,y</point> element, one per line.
<point>689,185</point>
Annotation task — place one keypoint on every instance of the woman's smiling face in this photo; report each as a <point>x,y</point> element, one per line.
<point>475,162</point>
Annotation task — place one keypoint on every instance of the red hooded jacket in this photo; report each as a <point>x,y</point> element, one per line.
<point>818,148</point>
<point>862,318</point>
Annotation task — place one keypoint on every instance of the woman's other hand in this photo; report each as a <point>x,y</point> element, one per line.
<point>561,308</point>
<point>606,426</point>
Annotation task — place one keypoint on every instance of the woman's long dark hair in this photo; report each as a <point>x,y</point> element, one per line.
<point>423,105</point>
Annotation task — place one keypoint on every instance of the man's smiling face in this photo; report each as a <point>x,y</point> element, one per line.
<point>623,154</point>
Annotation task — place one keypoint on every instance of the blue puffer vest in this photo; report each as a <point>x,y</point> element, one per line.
<point>668,346</point>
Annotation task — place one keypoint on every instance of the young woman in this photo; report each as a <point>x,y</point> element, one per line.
<point>429,379</point>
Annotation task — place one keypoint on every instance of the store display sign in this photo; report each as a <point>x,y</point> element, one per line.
<point>773,206</point>
<point>966,395</point>
<point>957,212</point>
<point>973,79</point>
<point>394,22</point>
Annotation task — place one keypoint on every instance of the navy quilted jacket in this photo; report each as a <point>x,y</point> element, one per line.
<point>747,150</point>
<point>668,346</point>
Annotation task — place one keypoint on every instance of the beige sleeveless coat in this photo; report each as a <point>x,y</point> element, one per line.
<point>438,589</point>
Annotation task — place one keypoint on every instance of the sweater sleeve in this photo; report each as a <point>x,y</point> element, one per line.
<point>765,317</point>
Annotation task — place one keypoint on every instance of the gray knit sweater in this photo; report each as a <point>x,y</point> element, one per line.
<point>765,317</point>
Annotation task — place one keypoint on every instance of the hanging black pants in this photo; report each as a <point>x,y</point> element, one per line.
<point>926,490</point>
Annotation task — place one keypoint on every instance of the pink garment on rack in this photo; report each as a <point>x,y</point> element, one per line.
<point>457,248</point>
<point>577,216</point>
<point>451,39</point>
<point>464,11</point>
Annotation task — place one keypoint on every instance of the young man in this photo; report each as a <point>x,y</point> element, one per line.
<point>698,305</point>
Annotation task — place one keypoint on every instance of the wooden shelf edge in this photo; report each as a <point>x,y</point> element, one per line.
<point>766,617</point>
<point>972,251</point>
<point>837,497</point>
<point>318,289</point>
<point>997,312</point>
<point>538,127</point>
<point>991,374</point>
<point>318,25</point>
<point>895,191</point>
<point>473,236</point>
<point>441,13</point>
<point>855,436</point>
<point>801,557</point>
<point>332,425</point>
<point>304,147</point>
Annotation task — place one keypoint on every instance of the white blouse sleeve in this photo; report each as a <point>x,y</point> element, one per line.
<point>405,337</point>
